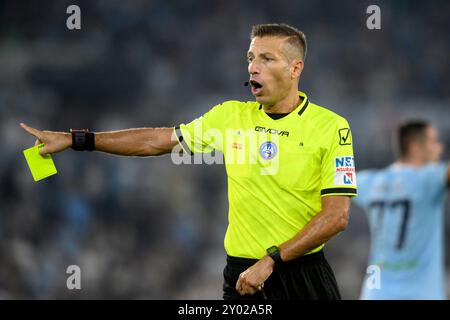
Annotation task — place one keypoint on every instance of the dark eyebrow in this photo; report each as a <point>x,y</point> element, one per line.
<point>263,54</point>
<point>267,54</point>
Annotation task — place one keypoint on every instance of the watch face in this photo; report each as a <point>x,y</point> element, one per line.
<point>272,249</point>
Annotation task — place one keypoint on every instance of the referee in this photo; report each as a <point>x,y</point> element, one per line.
<point>289,164</point>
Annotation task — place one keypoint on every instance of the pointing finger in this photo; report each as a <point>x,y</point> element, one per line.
<point>30,130</point>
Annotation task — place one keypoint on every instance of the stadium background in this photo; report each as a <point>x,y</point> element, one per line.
<point>146,228</point>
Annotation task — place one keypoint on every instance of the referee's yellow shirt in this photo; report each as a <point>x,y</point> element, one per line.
<point>278,170</point>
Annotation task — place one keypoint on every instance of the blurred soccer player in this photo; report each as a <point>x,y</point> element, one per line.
<point>290,194</point>
<point>405,204</point>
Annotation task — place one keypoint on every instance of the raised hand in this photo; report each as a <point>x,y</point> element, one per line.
<point>54,141</point>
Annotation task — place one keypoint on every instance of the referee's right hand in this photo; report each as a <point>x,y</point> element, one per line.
<point>54,141</point>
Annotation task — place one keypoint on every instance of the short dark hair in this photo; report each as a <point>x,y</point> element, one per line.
<point>295,37</point>
<point>409,132</point>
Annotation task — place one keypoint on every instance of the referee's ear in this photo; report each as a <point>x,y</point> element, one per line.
<point>296,68</point>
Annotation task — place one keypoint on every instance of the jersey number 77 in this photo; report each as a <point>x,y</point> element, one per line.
<point>402,207</point>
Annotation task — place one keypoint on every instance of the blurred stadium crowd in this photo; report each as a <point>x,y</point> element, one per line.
<point>149,229</point>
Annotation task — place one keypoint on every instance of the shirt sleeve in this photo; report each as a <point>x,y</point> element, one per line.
<point>434,178</point>
<point>204,134</point>
<point>338,175</point>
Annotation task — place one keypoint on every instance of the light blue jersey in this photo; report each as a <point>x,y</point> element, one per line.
<point>405,206</point>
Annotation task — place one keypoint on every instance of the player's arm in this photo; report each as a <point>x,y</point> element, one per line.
<point>130,142</point>
<point>326,224</point>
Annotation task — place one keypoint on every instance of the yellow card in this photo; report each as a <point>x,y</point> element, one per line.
<point>40,167</point>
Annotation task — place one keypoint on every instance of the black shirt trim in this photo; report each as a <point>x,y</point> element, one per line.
<point>276,116</point>
<point>182,141</point>
<point>304,107</point>
<point>338,190</point>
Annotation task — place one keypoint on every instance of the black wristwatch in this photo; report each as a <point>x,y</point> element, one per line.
<point>82,140</point>
<point>274,253</point>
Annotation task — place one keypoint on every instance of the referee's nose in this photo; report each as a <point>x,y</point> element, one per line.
<point>253,67</point>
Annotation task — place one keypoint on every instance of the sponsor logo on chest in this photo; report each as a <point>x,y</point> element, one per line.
<point>272,131</point>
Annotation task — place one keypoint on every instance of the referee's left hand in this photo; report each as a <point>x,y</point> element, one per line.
<point>54,141</point>
<point>252,280</point>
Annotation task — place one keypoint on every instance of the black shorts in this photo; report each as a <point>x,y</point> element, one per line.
<point>308,277</point>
